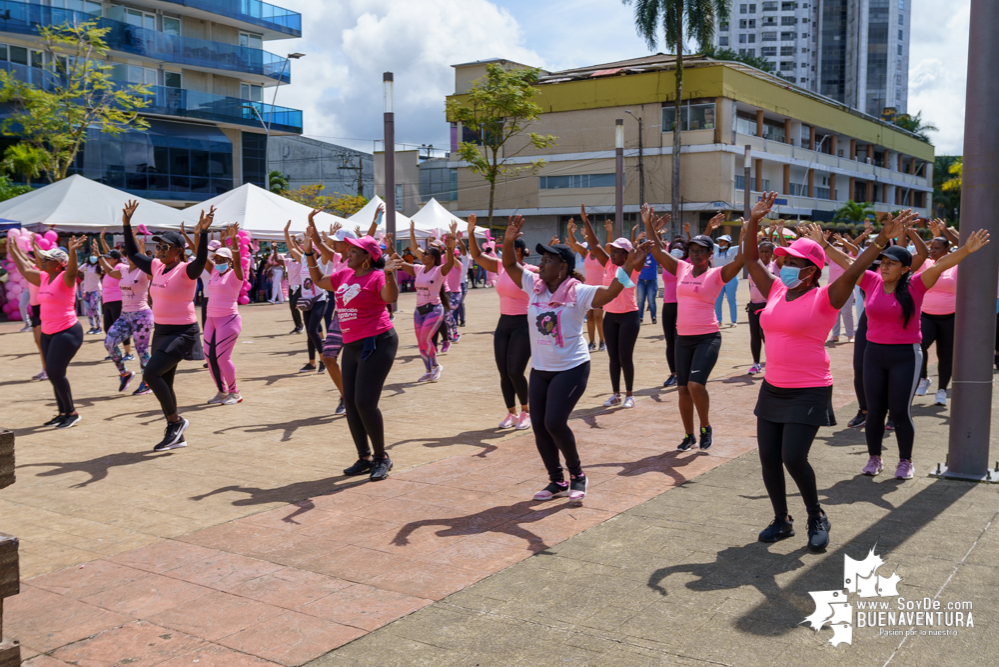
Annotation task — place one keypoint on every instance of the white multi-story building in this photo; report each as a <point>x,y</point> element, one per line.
<point>854,51</point>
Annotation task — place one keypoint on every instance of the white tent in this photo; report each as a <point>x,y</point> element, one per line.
<point>262,213</point>
<point>366,215</point>
<point>78,204</point>
<point>434,218</point>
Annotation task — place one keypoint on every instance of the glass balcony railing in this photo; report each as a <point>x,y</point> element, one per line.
<point>19,17</point>
<point>251,11</point>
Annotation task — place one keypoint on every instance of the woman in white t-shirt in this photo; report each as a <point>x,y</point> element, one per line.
<point>560,359</point>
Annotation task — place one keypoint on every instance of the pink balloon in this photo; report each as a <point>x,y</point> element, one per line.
<point>243,300</point>
<point>14,315</point>
<point>51,236</point>
<point>13,233</point>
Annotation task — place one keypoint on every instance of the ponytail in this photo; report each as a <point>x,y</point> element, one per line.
<point>904,298</point>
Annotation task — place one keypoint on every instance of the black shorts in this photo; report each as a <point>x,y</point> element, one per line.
<point>696,357</point>
<point>36,316</point>
<point>800,405</point>
<point>180,341</point>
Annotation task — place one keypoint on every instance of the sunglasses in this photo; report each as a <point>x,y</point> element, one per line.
<point>164,247</point>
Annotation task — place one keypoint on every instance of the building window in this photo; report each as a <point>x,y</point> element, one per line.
<point>578,181</point>
<point>171,26</point>
<point>440,184</point>
<point>787,20</point>
<point>742,39</point>
<point>752,9</point>
<point>251,41</point>
<point>173,79</point>
<point>745,124</point>
<point>255,158</point>
<point>140,19</point>
<point>251,92</point>
<point>786,65</point>
<point>899,49</point>
<point>743,24</point>
<point>769,6</point>
<point>788,36</point>
<point>769,51</point>
<point>723,27</point>
<point>769,37</point>
<point>785,50</point>
<point>773,130</point>
<point>752,53</point>
<point>752,38</point>
<point>742,9</point>
<point>723,41</point>
<point>787,6</point>
<point>742,52</point>
<point>692,117</point>
<point>769,20</point>
<point>85,6</point>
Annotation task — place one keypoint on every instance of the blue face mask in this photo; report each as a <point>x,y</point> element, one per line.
<point>789,276</point>
<point>92,260</point>
<point>222,268</point>
<point>676,252</point>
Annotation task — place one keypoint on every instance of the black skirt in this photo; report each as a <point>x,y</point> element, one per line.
<point>805,405</point>
<point>180,341</point>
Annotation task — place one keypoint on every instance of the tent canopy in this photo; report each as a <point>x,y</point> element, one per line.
<point>262,213</point>
<point>434,218</point>
<point>364,217</point>
<point>78,204</point>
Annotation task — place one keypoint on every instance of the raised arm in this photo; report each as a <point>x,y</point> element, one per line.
<point>144,263</point>
<point>510,264</point>
<point>922,252</point>
<point>32,275</point>
<point>598,251</point>
<point>379,212</point>
<point>842,287</point>
<point>293,250</point>
<point>731,270</point>
<point>976,241</point>
<point>192,244</point>
<point>659,253</point>
<point>237,257</point>
<point>390,291</point>
<point>104,244</point>
<point>450,241</point>
<point>763,279</point>
<point>686,230</point>
<point>72,268</point>
<point>318,278</point>
<point>570,239</point>
<point>106,265</point>
<point>636,259</point>
<point>414,247</point>
<point>197,265</point>
<point>488,263</point>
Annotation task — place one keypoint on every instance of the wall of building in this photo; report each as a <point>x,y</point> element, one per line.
<point>307,161</point>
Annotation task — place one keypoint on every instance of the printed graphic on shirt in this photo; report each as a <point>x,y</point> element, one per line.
<point>549,324</point>
<point>347,292</point>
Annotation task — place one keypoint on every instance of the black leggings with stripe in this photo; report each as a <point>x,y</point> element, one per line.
<point>891,373</point>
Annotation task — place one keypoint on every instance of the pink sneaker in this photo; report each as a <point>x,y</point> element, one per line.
<point>904,469</point>
<point>509,422</point>
<point>553,490</point>
<point>524,421</point>
<point>873,467</point>
<point>445,346</point>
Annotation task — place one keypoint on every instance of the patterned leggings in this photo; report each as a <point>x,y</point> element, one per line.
<point>220,339</point>
<point>450,318</point>
<point>139,326</point>
<point>92,308</point>
<point>426,325</point>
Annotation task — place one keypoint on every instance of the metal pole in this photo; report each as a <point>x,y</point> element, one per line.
<point>641,166</point>
<point>747,204</point>
<point>619,180</point>
<point>388,81</point>
<point>974,338</point>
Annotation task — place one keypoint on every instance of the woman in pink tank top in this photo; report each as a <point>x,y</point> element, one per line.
<point>937,318</point>
<point>62,334</point>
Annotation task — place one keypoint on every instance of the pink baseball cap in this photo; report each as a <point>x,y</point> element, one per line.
<point>622,244</point>
<point>368,245</point>
<point>214,245</point>
<point>805,249</point>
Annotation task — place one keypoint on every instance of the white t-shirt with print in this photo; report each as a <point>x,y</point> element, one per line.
<point>556,332</point>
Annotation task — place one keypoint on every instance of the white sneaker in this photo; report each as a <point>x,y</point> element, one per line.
<point>25,329</point>
<point>524,422</point>
<point>218,399</point>
<point>629,402</point>
<point>941,397</point>
<point>615,399</point>
<point>435,374</point>
<point>509,422</point>
<point>923,385</point>
<point>425,377</point>
<point>233,399</point>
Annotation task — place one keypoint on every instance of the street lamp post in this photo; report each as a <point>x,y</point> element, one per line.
<point>641,162</point>
<point>619,177</point>
<point>388,81</point>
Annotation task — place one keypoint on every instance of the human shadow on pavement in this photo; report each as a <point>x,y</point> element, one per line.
<point>98,468</point>
<point>503,520</point>
<point>473,438</point>
<point>288,427</point>
<point>666,464</point>
<point>298,493</point>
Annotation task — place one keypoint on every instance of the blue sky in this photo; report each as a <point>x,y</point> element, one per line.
<point>351,42</point>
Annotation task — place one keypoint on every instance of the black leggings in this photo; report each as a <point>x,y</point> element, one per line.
<point>939,328</point>
<point>669,331</point>
<point>859,349</point>
<point>294,294</point>
<point>112,311</point>
<point>512,348</point>
<point>330,307</point>
<point>314,328</point>
<point>363,380</point>
<point>621,334</point>
<point>204,308</point>
<point>59,349</point>
<point>756,336</point>
<point>158,375</point>
<point>553,396</point>
<point>787,445</point>
<point>891,373</point>
<point>696,357</point>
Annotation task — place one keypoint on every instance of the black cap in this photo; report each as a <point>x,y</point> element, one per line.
<point>114,254</point>
<point>899,254</point>
<point>173,238</point>
<point>522,245</point>
<point>703,240</point>
<point>563,251</point>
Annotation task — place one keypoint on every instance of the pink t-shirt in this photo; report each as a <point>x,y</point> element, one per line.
<point>134,290</point>
<point>593,270</point>
<point>58,303</point>
<point>359,305</point>
<point>452,281</point>
<point>835,271</point>
<point>112,290</point>
<point>294,270</point>
<point>513,300</point>
<point>755,296</point>
<point>173,294</point>
<point>428,285</point>
<point>695,299</point>
<point>223,294</point>
<point>884,314</point>
<point>796,333</point>
<point>941,299</point>
<point>669,287</point>
<point>625,302</point>
<point>33,293</point>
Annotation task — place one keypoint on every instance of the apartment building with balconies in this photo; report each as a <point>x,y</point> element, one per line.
<point>210,67</point>
<point>816,152</point>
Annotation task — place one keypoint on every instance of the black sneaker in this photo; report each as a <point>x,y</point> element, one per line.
<point>380,468</point>
<point>654,321</point>
<point>859,420</point>
<point>322,367</point>
<point>890,425</point>
<point>108,358</point>
<point>688,441</point>
<point>69,421</point>
<point>602,347</point>
<point>818,531</point>
<point>341,409</point>
<point>362,466</point>
<point>55,420</point>
<point>173,436</point>
<point>706,440</point>
<point>124,381</point>
<point>670,381</point>
<point>577,487</point>
<point>307,368</point>
<point>143,389</point>
<point>778,529</point>
<point>296,330</point>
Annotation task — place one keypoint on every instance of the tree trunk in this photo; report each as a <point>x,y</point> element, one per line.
<point>677,223</point>
<point>492,189</point>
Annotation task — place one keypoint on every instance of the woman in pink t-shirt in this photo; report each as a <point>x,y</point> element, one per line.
<point>223,323</point>
<point>511,342</point>
<point>678,249</point>
<point>135,320</point>
<point>111,261</point>
<point>62,334</point>
<point>937,321</point>
<point>363,288</point>
<point>698,339</point>
<point>429,314</point>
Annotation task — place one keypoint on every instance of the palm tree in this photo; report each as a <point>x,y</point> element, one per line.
<point>855,212</point>
<point>24,160</point>
<point>915,125</point>
<point>677,18</point>
<point>278,181</point>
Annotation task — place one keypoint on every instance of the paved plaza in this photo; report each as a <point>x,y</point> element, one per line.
<point>249,547</point>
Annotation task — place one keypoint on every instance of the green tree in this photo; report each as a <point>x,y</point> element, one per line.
<point>10,190</point>
<point>947,179</point>
<point>23,160</point>
<point>278,181</point>
<point>730,55</point>
<point>855,212</point>
<point>916,125</point>
<point>78,93</point>
<point>496,109</point>
<point>676,19</point>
